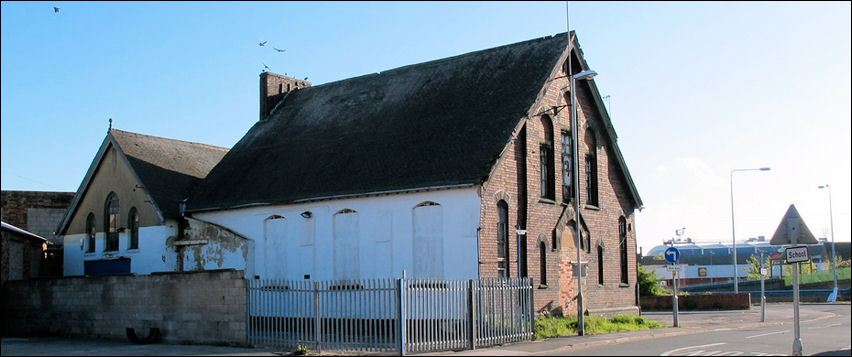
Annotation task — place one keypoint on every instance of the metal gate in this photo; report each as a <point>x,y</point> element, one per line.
<point>366,315</point>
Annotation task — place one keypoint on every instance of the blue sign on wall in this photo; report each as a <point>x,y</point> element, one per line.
<point>672,255</point>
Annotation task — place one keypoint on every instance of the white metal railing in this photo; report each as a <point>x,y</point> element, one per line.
<point>365,315</point>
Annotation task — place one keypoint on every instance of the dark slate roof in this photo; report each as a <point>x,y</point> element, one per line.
<point>439,123</point>
<point>168,168</point>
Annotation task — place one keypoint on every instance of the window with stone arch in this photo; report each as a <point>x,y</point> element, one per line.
<point>90,233</point>
<point>591,169</point>
<point>133,227</point>
<point>622,248</point>
<point>548,174</point>
<point>111,222</point>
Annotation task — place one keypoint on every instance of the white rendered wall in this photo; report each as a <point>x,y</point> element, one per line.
<point>153,255</point>
<point>293,247</point>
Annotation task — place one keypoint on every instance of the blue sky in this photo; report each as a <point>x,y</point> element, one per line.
<point>696,89</point>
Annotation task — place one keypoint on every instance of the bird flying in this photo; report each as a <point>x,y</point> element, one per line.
<point>279,50</point>
<point>262,43</point>
<point>55,9</point>
<point>265,67</point>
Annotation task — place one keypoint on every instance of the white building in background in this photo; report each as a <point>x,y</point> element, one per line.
<point>713,262</point>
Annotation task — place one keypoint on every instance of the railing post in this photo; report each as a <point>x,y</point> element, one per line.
<point>400,308</point>
<point>531,307</point>
<point>317,329</point>
<point>471,313</point>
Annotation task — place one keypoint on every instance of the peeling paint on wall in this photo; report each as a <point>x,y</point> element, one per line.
<point>208,246</point>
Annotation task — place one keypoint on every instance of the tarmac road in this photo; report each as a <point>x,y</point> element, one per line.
<point>699,325</point>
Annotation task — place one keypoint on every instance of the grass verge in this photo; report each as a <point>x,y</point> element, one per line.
<point>547,327</point>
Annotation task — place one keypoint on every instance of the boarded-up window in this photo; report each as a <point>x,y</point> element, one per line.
<point>275,247</point>
<point>428,245</point>
<point>306,246</point>
<point>347,251</point>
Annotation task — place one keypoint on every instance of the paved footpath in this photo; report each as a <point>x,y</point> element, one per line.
<point>691,322</point>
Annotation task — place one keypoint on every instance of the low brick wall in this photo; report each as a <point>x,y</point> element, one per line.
<point>741,301</point>
<point>207,307</point>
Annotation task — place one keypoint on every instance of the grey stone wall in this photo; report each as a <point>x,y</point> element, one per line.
<point>207,307</point>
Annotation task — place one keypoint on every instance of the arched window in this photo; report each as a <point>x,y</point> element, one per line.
<point>622,247</point>
<point>133,226</point>
<point>542,259</point>
<point>600,265</point>
<point>546,155</point>
<point>591,169</point>
<point>111,220</point>
<point>502,239</point>
<point>90,233</point>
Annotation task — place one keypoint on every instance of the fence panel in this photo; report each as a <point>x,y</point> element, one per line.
<point>364,315</point>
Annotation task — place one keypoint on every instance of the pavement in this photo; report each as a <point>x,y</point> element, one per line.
<point>691,322</point>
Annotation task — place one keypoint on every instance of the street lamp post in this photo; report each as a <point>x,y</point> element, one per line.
<point>575,181</point>
<point>833,256</point>
<point>733,230</point>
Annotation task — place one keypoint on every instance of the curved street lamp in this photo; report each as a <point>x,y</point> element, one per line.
<point>733,230</point>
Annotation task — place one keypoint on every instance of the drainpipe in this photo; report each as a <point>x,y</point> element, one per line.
<point>180,234</point>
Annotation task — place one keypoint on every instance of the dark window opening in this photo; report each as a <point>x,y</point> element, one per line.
<point>542,251</point>
<point>90,233</point>
<point>591,170</point>
<point>600,266</point>
<point>133,226</point>
<point>622,246</point>
<point>503,239</point>
<point>111,220</point>
<point>567,168</point>
<point>548,174</point>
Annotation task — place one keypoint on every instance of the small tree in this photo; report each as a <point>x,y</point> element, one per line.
<point>648,282</point>
<point>753,268</point>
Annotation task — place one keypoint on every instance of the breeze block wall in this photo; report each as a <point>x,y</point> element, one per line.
<point>207,307</point>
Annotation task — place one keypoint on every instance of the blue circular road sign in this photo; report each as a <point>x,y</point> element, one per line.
<point>672,255</point>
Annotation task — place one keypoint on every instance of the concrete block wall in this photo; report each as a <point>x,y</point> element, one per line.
<point>207,307</point>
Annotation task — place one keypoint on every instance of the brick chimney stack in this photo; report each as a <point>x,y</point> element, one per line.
<point>273,88</point>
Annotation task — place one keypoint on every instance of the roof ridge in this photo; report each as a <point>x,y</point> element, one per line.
<point>441,60</point>
<point>171,139</point>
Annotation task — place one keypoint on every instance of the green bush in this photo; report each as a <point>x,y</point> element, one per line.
<point>649,283</point>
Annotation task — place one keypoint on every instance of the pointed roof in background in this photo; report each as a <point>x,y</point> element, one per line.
<point>167,169</point>
<point>792,225</point>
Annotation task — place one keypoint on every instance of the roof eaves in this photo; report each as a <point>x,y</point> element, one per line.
<point>84,186</point>
<point>12,228</point>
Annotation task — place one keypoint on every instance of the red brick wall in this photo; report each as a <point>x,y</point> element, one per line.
<point>509,182</point>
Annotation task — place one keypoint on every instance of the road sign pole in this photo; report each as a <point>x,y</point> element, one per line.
<point>674,298</point>
<point>797,342</point>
